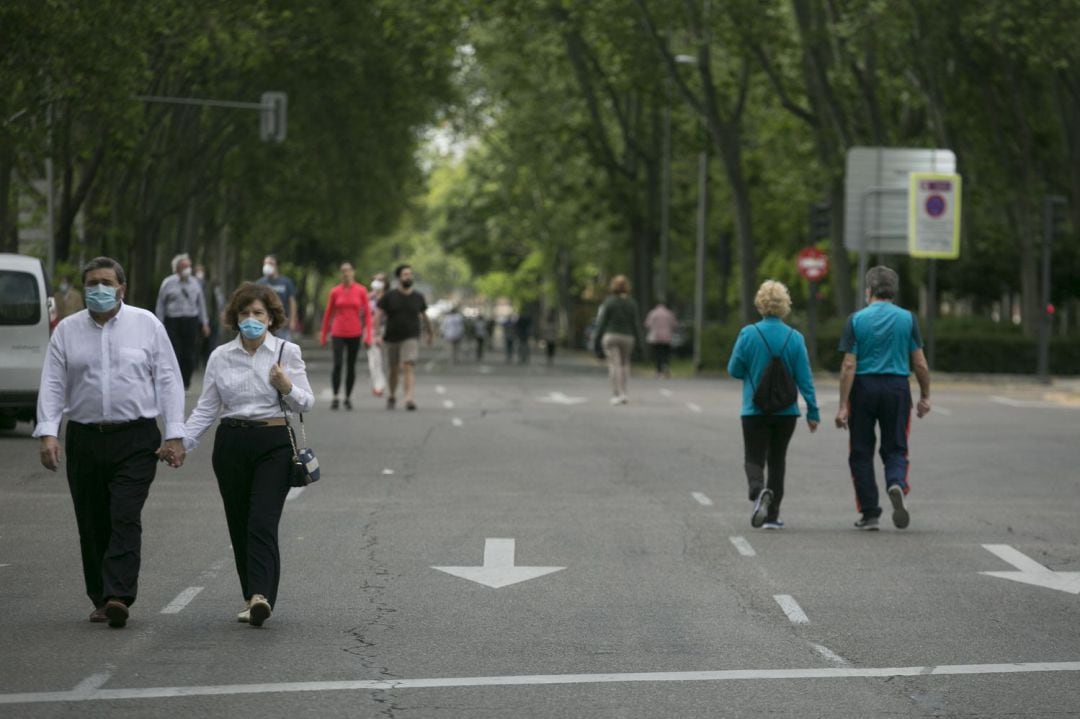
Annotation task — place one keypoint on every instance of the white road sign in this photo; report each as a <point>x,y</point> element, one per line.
<point>934,215</point>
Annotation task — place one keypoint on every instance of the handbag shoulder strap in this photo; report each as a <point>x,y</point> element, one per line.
<point>285,409</point>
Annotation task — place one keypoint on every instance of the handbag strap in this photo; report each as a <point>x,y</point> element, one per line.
<point>285,411</point>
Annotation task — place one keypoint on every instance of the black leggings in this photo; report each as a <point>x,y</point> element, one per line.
<point>765,443</point>
<point>341,344</point>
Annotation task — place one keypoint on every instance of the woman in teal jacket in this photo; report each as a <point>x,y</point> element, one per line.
<point>766,436</point>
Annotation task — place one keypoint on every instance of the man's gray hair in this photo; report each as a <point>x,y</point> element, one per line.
<point>883,282</point>
<point>100,263</point>
<point>176,260</point>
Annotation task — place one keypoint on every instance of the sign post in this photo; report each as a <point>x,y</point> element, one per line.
<point>813,265</point>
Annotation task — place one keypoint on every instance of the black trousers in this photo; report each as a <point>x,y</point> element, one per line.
<point>109,475</point>
<point>184,336</point>
<point>252,466</point>
<point>662,354</point>
<point>765,443</point>
<point>344,348</point>
<point>878,401</point>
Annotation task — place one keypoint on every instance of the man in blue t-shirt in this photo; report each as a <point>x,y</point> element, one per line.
<point>286,292</point>
<point>881,345</point>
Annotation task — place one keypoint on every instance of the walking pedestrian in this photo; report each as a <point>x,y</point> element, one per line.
<point>661,325</point>
<point>285,289</point>
<point>112,370</point>
<point>247,380</point>
<point>399,320</point>
<point>377,376</point>
<point>181,307</point>
<point>618,330</point>
<point>68,299</point>
<point>523,328</point>
<point>766,434</point>
<point>453,331</point>
<point>881,345</point>
<point>347,320</point>
<point>481,334</point>
<point>509,331</point>
<point>550,334</point>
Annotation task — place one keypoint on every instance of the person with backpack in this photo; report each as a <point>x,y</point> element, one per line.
<point>771,359</point>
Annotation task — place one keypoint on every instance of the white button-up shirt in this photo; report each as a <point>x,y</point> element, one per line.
<point>117,372</point>
<point>237,384</point>
<point>181,298</point>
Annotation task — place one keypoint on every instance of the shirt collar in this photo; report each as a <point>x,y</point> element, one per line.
<point>271,343</point>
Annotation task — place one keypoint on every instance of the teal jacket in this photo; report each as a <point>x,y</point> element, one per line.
<point>750,357</point>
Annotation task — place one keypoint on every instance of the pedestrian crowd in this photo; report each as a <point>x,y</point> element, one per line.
<point>115,370</point>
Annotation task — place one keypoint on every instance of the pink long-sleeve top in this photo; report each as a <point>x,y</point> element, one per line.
<point>348,313</point>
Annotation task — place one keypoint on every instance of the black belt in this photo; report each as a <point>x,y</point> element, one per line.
<point>110,427</point>
<point>248,423</point>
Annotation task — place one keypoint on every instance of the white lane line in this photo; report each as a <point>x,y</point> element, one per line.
<point>92,683</point>
<point>743,546</point>
<point>830,656</point>
<point>791,608</point>
<point>1031,403</point>
<point>439,389</point>
<point>456,421</point>
<point>181,601</point>
<point>387,471</point>
<point>365,685</point>
<point>448,403</point>
<point>294,493</point>
<point>701,499</point>
<point>693,407</point>
<point>942,410</point>
<point>1008,402</point>
<point>665,392</point>
<point>4,565</point>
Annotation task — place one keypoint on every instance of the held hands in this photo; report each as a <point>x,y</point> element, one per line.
<point>172,453</point>
<point>922,408</point>
<point>50,453</point>
<point>279,380</point>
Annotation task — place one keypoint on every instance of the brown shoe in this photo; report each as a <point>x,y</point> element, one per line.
<point>117,613</point>
<point>98,616</point>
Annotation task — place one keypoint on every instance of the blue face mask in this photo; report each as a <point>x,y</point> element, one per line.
<point>100,298</point>
<point>252,328</point>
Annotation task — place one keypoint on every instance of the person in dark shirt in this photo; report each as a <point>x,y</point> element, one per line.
<point>398,322</point>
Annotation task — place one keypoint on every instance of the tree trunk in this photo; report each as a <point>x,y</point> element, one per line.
<point>727,145</point>
<point>9,237</point>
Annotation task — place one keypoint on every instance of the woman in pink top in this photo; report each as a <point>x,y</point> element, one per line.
<point>347,319</point>
<point>661,324</point>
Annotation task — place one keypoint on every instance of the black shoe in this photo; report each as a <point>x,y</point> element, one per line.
<point>117,613</point>
<point>390,402</point>
<point>900,517</point>
<point>867,524</point>
<point>334,403</point>
<point>761,508</point>
<point>410,405</point>
<point>348,404</point>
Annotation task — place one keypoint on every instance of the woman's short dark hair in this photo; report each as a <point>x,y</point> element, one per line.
<point>246,294</point>
<point>104,263</point>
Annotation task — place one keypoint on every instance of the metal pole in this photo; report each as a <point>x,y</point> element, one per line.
<point>931,314</point>
<point>50,203</point>
<point>665,198</point>
<point>811,324</point>
<point>699,273</point>
<point>1043,369</point>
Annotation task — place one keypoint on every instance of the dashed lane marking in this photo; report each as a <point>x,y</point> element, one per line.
<point>448,404</point>
<point>92,683</point>
<point>439,389</point>
<point>701,499</point>
<point>743,546</point>
<point>830,656</point>
<point>791,608</point>
<point>456,421</point>
<point>831,673</point>
<point>694,407</point>
<point>665,392</point>
<point>182,600</point>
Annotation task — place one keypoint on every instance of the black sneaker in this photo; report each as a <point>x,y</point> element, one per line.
<point>334,403</point>
<point>761,508</point>
<point>348,404</point>
<point>390,402</point>
<point>410,405</point>
<point>900,516</point>
<point>867,524</point>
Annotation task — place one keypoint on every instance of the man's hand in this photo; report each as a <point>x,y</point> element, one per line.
<point>922,408</point>
<point>50,453</point>
<point>206,330</point>
<point>812,424</point>
<point>172,452</point>
<point>842,418</point>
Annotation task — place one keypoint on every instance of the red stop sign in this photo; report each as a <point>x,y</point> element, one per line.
<point>813,264</point>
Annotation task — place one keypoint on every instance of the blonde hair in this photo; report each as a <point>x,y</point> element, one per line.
<point>619,285</point>
<point>773,299</point>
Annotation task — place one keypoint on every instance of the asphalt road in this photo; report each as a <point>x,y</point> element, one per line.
<point>658,600</point>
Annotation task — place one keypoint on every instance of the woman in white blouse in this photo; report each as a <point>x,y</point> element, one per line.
<point>252,452</point>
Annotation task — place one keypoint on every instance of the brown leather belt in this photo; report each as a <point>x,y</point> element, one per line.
<point>248,423</point>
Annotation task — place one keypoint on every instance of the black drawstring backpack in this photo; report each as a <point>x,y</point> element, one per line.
<point>775,389</point>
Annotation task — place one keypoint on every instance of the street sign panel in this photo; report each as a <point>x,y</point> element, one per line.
<point>813,264</point>
<point>934,215</point>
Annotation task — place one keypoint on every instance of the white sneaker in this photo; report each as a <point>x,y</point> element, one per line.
<point>244,617</point>
<point>258,610</point>
<point>615,401</point>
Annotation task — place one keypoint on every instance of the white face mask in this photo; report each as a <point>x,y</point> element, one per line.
<point>185,273</point>
<point>200,276</point>
<point>377,285</point>
<point>268,270</point>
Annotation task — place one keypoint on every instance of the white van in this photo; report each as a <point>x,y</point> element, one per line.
<point>25,306</point>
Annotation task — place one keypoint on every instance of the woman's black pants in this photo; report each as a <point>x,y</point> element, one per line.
<point>348,346</point>
<point>765,443</point>
<point>252,465</point>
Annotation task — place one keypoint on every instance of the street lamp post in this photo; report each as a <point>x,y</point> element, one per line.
<point>699,269</point>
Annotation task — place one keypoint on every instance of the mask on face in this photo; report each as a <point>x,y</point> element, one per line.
<point>252,328</point>
<point>100,298</point>
<point>200,276</point>
<point>377,285</point>
<point>268,270</point>
<point>64,287</point>
<point>406,283</point>
<point>185,273</point>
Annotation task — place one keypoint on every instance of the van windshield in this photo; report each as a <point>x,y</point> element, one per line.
<point>20,300</point>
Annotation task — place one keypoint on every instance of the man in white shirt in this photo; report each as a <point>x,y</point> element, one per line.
<point>181,307</point>
<point>112,370</point>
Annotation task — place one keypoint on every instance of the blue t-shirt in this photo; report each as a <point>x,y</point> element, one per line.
<point>284,288</point>
<point>750,356</point>
<point>882,337</point>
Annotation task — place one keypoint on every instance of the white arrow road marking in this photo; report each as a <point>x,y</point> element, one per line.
<point>1031,572</point>
<point>791,608</point>
<point>181,601</point>
<point>743,546</point>
<point>701,499</point>
<point>369,685</point>
<point>693,407</point>
<point>499,570</point>
<point>560,398</point>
